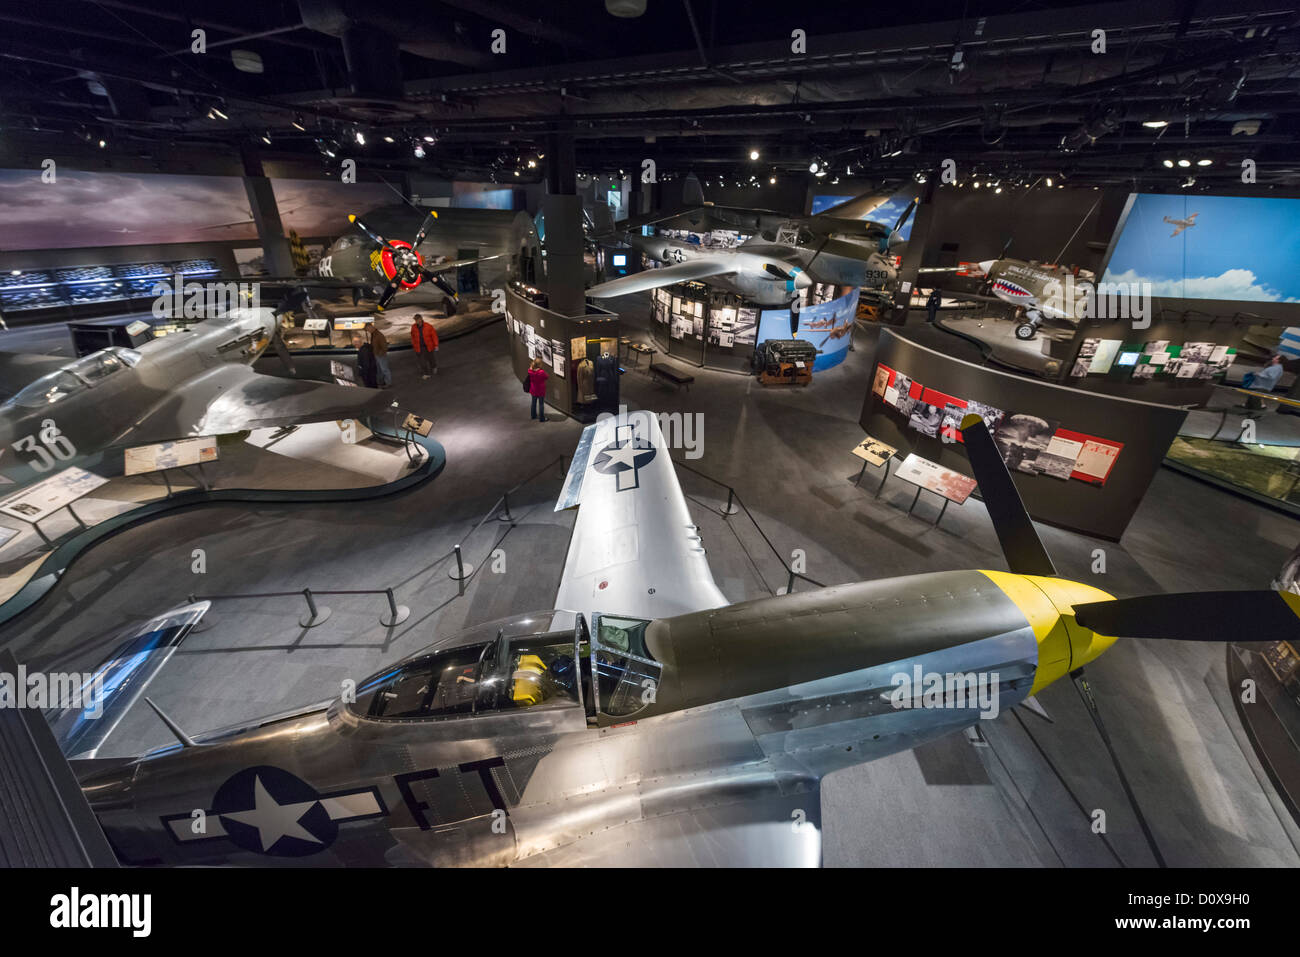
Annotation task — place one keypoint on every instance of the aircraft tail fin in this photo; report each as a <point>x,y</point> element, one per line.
<point>1196,616</point>
<point>1020,543</point>
<point>110,691</point>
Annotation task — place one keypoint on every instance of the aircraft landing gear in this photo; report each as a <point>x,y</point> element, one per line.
<point>1026,331</point>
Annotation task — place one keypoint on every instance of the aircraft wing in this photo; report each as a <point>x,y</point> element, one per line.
<point>17,369</point>
<point>457,263</point>
<point>120,681</point>
<point>664,276</point>
<point>635,550</point>
<point>767,829</point>
<point>859,207</point>
<point>232,397</point>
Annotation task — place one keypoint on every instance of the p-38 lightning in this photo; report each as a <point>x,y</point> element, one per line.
<point>647,722</point>
<point>783,255</point>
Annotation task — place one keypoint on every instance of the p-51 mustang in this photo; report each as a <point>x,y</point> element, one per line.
<point>647,723</point>
<point>196,382</point>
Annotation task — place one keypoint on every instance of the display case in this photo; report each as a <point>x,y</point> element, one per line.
<point>30,290</point>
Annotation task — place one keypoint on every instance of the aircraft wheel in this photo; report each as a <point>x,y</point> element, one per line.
<point>1025,331</point>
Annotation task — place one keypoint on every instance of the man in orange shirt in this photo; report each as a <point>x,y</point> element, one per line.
<point>424,340</point>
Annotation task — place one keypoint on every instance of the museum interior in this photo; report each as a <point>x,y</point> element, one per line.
<point>867,436</point>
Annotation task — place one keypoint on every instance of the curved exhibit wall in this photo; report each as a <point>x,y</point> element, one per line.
<point>827,325</point>
<point>1119,442</point>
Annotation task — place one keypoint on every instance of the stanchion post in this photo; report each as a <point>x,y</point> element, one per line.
<point>315,615</point>
<point>730,508</point>
<point>462,570</point>
<point>396,613</point>
<point>504,515</point>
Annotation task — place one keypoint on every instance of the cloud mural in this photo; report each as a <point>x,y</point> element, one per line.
<point>1240,248</point>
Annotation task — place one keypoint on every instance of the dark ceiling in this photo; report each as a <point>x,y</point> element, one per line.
<point>692,84</point>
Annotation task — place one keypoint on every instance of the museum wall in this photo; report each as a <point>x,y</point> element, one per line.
<point>1166,389</point>
<point>1145,430</point>
<point>972,225</point>
<point>222,252</point>
<point>535,331</point>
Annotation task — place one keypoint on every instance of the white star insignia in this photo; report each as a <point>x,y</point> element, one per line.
<point>274,820</point>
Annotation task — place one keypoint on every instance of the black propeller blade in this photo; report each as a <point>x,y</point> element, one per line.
<point>367,230</point>
<point>1197,616</point>
<point>1024,551</point>
<point>387,295</point>
<point>778,272</point>
<point>442,283</point>
<point>424,229</point>
<point>282,350</point>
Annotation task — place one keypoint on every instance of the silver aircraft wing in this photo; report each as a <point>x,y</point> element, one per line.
<point>665,276</point>
<point>82,728</point>
<point>232,397</point>
<point>635,550</point>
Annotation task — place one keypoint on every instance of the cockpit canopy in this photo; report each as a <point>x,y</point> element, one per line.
<point>74,377</point>
<point>528,661</point>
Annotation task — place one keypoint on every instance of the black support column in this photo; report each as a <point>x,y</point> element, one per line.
<point>564,239</point>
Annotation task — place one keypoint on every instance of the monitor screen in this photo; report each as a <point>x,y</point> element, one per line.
<point>620,259</point>
<point>1128,358</point>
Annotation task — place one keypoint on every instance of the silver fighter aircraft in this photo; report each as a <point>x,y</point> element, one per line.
<point>764,280</point>
<point>648,722</point>
<point>55,413</point>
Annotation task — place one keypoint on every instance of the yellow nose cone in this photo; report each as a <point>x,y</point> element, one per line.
<point>1048,606</point>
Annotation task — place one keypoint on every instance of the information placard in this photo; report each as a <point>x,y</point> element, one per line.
<point>49,495</point>
<point>933,477</point>
<point>170,455</point>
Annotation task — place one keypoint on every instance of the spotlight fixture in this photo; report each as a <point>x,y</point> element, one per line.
<point>772,180</point>
<point>1184,163</point>
<point>266,137</point>
<point>419,151</point>
<point>814,166</point>
<point>1156,124</point>
<point>388,139</point>
<point>1204,162</point>
<point>753,154</point>
<point>1169,164</point>
<point>998,189</point>
<point>297,124</point>
<point>820,173</point>
<point>430,139</point>
<point>977,184</point>
<point>1049,182</point>
<point>216,114</point>
<point>102,144</point>
<point>532,164</point>
<point>1190,181</point>
<point>361,138</point>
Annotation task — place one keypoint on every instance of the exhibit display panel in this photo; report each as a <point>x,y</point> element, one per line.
<point>1081,461</point>
<point>828,325</point>
<point>581,354</point>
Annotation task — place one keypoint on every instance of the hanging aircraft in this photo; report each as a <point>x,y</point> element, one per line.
<point>827,248</point>
<point>648,722</point>
<point>1182,224</point>
<point>1046,292</point>
<point>764,280</point>
<point>57,413</point>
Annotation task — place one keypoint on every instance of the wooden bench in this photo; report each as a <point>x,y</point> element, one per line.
<point>671,375</point>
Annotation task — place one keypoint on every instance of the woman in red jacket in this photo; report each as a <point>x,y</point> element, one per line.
<point>536,386</point>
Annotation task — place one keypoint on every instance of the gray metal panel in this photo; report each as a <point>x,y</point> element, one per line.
<point>45,821</point>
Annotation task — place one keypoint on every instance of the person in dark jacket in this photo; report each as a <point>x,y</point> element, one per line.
<point>932,305</point>
<point>367,368</point>
<point>537,377</point>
